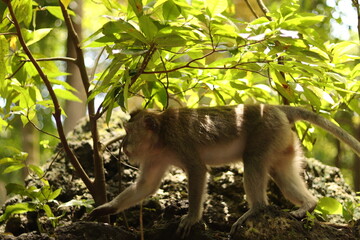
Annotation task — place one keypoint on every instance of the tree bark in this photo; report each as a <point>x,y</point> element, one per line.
<point>356,168</point>
<point>75,110</point>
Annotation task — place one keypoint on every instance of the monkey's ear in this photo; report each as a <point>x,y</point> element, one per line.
<point>151,123</point>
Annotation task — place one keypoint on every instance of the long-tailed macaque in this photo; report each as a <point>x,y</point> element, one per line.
<point>192,139</point>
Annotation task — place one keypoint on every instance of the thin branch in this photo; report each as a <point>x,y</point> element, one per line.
<point>97,60</point>
<point>251,8</point>
<point>46,171</point>
<point>166,87</point>
<point>8,33</point>
<point>18,69</point>
<point>112,140</point>
<point>357,6</point>
<point>236,66</point>
<point>40,130</point>
<point>57,109</point>
<point>66,59</point>
<point>142,68</point>
<point>263,8</point>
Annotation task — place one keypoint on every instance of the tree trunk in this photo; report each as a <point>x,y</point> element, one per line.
<point>356,168</point>
<point>30,142</point>
<point>75,110</point>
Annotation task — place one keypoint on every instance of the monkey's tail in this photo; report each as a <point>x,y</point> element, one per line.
<point>297,113</point>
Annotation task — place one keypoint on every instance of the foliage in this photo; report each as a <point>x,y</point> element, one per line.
<point>330,206</point>
<point>198,55</point>
<point>36,199</point>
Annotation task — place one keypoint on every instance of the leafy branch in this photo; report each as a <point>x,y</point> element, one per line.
<point>57,108</point>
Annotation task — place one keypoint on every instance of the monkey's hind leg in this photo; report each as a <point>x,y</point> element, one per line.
<point>255,184</point>
<point>286,174</point>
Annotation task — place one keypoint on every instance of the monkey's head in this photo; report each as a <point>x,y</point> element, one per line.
<point>141,134</point>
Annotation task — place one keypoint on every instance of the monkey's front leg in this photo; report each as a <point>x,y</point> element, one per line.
<point>147,183</point>
<point>196,186</point>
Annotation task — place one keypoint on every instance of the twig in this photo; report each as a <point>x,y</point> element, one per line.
<point>97,60</point>
<point>40,130</point>
<point>357,6</point>
<point>18,69</point>
<point>45,172</point>
<point>141,221</point>
<point>263,8</point>
<point>112,140</point>
<point>66,59</point>
<point>145,62</point>
<point>8,33</point>
<point>251,8</point>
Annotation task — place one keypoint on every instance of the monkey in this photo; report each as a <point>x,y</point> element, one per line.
<point>259,135</point>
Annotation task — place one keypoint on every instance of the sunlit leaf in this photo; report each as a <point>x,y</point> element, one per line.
<point>148,27</point>
<point>137,7</point>
<point>16,209</point>
<point>36,169</point>
<point>170,10</point>
<point>38,34</point>
<point>3,51</point>
<point>329,205</point>
<point>123,26</point>
<point>65,2</point>
<point>304,21</point>
<point>67,95</point>
<point>55,194</point>
<point>13,168</point>
<point>216,6</point>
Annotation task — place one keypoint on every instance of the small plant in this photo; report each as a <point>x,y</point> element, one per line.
<point>330,206</point>
<point>36,198</point>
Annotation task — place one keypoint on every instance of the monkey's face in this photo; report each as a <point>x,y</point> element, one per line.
<point>141,137</point>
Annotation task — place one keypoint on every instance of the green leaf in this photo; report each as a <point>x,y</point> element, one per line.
<point>8,160</point>
<point>148,27</point>
<point>37,35</point>
<point>66,95</point>
<point>47,210</point>
<point>55,11</point>
<point>37,170</point>
<point>13,168</point>
<point>78,203</point>
<point>336,76</point>
<point>216,6</point>
<point>23,11</point>
<point>312,97</point>
<point>170,40</point>
<point>137,7</point>
<point>16,209</point>
<point>65,2</point>
<point>329,205</point>
<point>4,46</point>
<point>121,26</point>
<point>305,21</point>
<point>55,194</point>
<point>170,10</point>
<point>14,188</point>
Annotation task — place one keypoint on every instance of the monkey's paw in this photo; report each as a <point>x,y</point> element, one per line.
<point>185,225</point>
<point>100,211</point>
<point>237,225</point>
